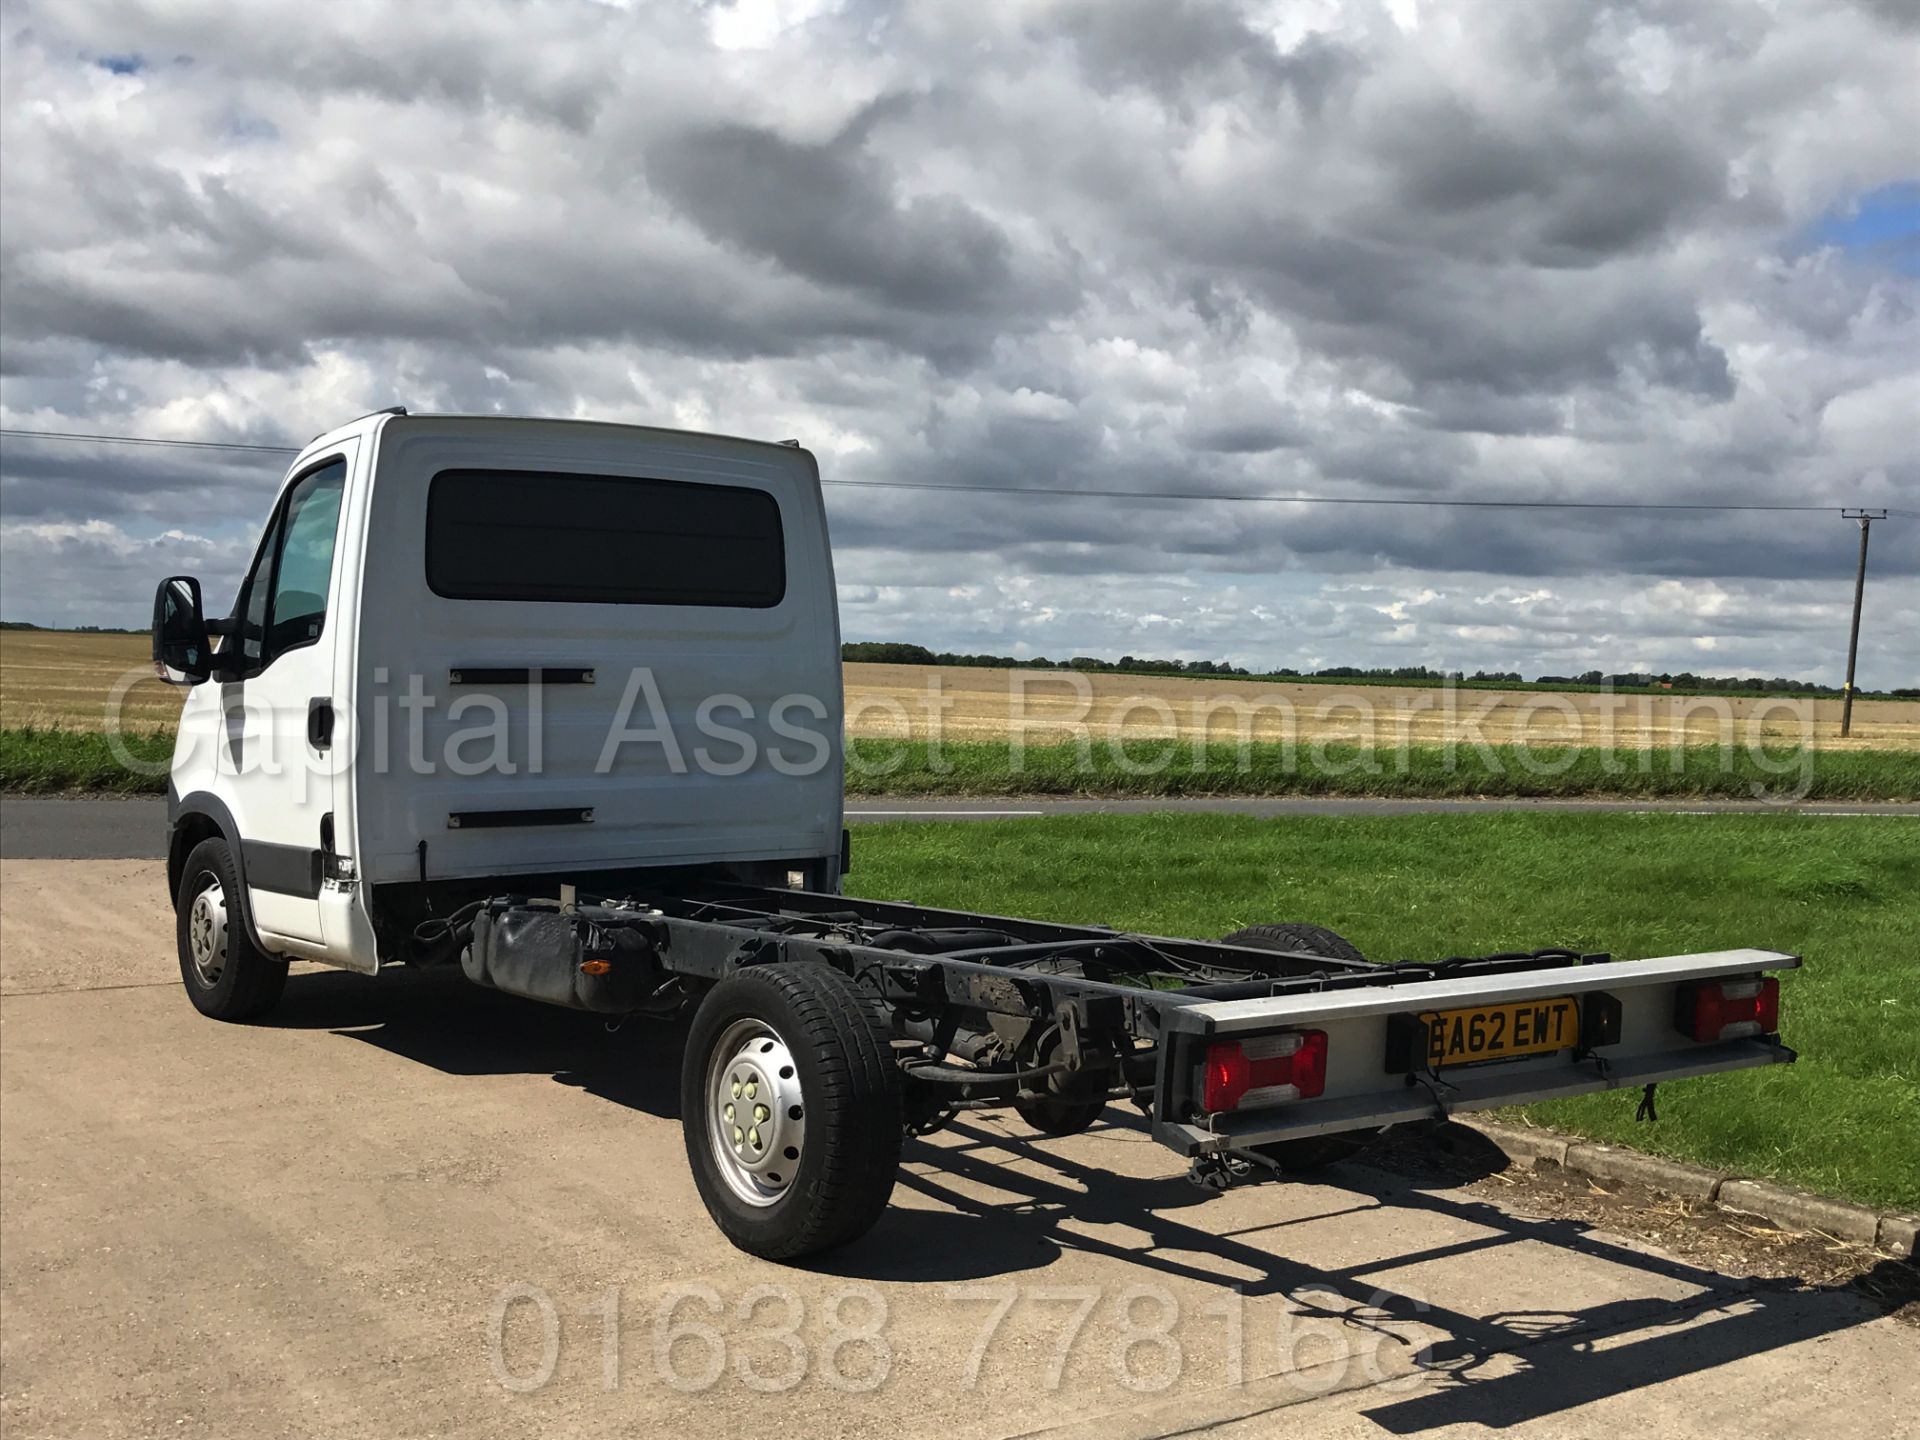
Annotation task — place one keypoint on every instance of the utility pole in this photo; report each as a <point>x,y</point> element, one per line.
<point>1866,519</point>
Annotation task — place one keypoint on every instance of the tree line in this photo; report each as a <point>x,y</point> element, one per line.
<point>889,652</point>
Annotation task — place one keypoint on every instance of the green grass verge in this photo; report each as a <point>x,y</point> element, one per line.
<point>1843,893</point>
<point>53,760</point>
<point>1162,768</point>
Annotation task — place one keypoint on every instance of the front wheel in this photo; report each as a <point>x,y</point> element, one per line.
<point>790,1103</point>
<point>226,975</point>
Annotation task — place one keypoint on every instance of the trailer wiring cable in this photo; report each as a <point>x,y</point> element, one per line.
<point>457,927</point>
<point>1440,969</point>
<point>1177,969</point>
<point>1430,1080</point>
<point>1645,1110</point>
<point>1548,952</point>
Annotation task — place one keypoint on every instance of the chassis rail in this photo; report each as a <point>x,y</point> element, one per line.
<point>992,1010</point>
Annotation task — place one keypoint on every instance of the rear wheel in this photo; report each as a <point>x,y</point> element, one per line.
<point>226,975</point>
<point>1316,1152</point>
<point>790,1103</point>
<point>1296,936</point>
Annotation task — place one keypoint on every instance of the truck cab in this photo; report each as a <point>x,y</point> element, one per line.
<point>473,648</point>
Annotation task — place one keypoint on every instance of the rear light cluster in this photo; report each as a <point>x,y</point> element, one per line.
<point>1728,1009</point>
<point>1264,1070</point>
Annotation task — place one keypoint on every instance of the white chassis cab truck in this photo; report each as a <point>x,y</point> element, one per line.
<point>558,705</point>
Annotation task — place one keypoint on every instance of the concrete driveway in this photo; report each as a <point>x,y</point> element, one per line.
<point>409,1207</point>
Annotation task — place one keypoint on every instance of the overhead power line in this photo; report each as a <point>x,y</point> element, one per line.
<point>149,440</point>
<point>1454,503</point>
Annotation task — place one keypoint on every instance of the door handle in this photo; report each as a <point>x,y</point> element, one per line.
<point>320,722</point>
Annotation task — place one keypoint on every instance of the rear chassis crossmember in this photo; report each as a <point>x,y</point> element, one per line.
<point>991,1010</point>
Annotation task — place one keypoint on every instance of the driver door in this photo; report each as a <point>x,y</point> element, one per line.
<point>278,712</point>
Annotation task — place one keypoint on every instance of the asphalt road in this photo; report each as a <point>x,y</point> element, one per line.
<point>135,829</point>
<point>405,1206</point>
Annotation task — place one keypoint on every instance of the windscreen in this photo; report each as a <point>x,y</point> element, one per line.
<point>602,539</point>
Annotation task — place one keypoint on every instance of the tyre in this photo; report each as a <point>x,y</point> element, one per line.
<point>1316,1152</point>
<point>1313,939</point>
<point>226,976</point>
<point>790,1105</point>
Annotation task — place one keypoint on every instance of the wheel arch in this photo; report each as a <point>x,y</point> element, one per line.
<point>204,816</point>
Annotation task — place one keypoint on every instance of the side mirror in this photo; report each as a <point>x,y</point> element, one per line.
<point>182,654</point>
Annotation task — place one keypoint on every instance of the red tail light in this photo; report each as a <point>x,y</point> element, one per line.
<point>1264,1070</point>
<point>1729,1009</point>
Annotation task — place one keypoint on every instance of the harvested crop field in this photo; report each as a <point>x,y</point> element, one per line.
<point>981,704</point>
<point>66,679</point>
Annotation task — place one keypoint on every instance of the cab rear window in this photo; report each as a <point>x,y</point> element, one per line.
<point>602,540</point>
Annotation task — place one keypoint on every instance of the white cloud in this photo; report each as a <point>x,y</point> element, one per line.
<point>1553,250</point>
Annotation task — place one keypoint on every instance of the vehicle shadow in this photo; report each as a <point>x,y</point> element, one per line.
<point>1000,1203</point>
<point>439,1019</point>
<point>1499,1368</point>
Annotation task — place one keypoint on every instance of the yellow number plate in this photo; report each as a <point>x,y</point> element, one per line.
<point>1499,1032</point>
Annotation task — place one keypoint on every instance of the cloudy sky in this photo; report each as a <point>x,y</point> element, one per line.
<point>1666,250</point>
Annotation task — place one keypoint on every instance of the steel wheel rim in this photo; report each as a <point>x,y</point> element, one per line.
<point>207,933</point>
<point>756,1116</point>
